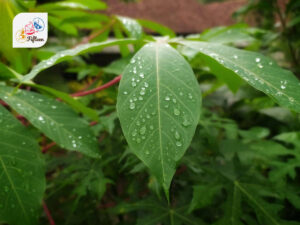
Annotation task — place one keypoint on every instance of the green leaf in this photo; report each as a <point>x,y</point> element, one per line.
<point>162,30</point>
<point>67,28</point>
<point>59,122</point>
<point>236,34</point>
<point>158,105</point>
<point>69,54</point>
<point>232,208</point>
<point>203,195</point>
<point>131,26</point>
<point>78,106</point>
<point>267,211</point>
<point>7,73</point>
<point>259,71</point>
<point>118,34</point>
<point>19,58</point>
<point>117,66</point>
<point>22,178</point>
<point>74,4</point>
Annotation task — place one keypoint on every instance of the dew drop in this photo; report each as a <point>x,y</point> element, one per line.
<point>133,84</point>
<point>177,135</point>
<point>134,133</point>
<point>235,57</point>
<point>257,59</point>
<point>260,66</point>
<point>146,84</point>
<point>283,84</point>
<point>132,61</point>
<point>178,143</point>
<point>125,92</point>
<point>167,98</point>
<point>143,130</point>
<point>147,152</point>
<point>291,99</point>
<point>176,112</point>
<point>132,105</point>
<point>142,92</point>
<point>142,75</point>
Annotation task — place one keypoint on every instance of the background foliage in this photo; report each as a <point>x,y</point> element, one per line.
<point>241,167</point>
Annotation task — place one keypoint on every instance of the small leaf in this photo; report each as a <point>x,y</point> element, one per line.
<point>74,4</point>
<point>159,106</point>
<point>7,73</point>
<point>162,30</point>
<point>132,27</point>
<point>68,54</point>
<point>22,178</point>
<point>203,195</point>
<point>256,69</point>
<point>59,122</point>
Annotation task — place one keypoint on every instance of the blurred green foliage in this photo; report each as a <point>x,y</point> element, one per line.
<point>242,166</point>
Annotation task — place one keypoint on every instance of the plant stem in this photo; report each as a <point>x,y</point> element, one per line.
<point>283,24</point>
<point>48,214</point>
<point>96,34</point>
<point>97,89</point>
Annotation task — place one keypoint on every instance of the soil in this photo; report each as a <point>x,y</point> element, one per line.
<point>183,16</point>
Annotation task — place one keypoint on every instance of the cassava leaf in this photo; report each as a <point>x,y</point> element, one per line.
<point>68,54</point>
<point>259,71</point>
<point>22,178</point>
<point>73,4</point>
<point>232,208</point>
<point>159,105</point>
<point>59,122</point>
<point>8,73</point>
<point>78,106</point>
<point>162,30</point>
<point>131,26</point>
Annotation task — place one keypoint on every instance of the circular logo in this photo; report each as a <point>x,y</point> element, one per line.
<point>38,24</point>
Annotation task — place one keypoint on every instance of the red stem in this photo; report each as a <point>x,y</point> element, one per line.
<point>3,103</point>
<point>48,214</point>
<point>97,89</point>
<point>47,147</point>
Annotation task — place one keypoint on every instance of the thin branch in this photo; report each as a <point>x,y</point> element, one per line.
<point>3,103</point>
<point>96,34</point>
<point>47,147</point>
<point>97,89</point>
<point>48,214</point>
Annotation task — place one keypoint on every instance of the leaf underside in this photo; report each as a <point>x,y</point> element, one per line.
<point>159,106</point>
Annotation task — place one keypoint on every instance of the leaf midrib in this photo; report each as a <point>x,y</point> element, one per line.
<point>14,188</point>
<point>158,112</point>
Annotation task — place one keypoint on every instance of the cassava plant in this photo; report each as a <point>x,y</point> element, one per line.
<point>159,106</point>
